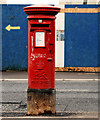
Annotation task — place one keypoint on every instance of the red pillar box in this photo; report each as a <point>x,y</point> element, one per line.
<point>41,95</point>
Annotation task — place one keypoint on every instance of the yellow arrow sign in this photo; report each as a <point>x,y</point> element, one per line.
<point>13,28</point>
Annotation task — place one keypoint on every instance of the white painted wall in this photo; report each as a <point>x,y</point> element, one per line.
<point>92,1</point>
<point>60,21</point>
<point>59,45</point>
<point>60,18</point>
<point>3,1</point>
<point>32,1</point>
<point>78,1</point>
<point>59,54</point>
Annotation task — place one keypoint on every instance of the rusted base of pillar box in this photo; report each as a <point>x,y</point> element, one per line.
<point>41,101</point>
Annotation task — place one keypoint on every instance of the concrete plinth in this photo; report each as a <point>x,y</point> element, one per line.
<point>41,101</point>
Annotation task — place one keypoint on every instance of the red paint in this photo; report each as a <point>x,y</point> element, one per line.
<point>41,59</point>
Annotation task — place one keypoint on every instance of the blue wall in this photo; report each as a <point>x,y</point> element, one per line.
<point>14,42</point>
<point>99,39</point>
<point>81,38</point>
<point>0,37</point>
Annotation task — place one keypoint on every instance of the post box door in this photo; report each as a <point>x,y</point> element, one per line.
<point>41,60</point>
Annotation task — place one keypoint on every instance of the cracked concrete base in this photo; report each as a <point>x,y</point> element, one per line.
<point>41,102</point>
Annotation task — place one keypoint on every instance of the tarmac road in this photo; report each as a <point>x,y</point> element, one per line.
<point>75,98</point>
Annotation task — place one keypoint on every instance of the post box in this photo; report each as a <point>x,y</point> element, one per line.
<point>41,58</point>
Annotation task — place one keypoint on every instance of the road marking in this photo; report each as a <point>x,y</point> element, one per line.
<point>77,90</point>
<point>6,79</point>
<point>76,79</point>
<point>13,28</point>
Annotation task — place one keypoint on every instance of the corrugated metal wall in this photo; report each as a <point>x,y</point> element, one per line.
<point>81,38</point>
<point>99,39</point>
<point>14,42</point>
<point>0,38</point>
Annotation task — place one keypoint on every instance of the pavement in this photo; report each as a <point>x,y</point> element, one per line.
<point>22,75</point>
<point>77,96</point>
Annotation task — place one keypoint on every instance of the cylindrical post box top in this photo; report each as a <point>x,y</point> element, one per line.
<point>41,9</point>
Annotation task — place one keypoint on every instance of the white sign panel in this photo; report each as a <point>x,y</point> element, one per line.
<point>40,39</point>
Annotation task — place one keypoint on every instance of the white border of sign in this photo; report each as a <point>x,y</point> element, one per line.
<point>40,39</point>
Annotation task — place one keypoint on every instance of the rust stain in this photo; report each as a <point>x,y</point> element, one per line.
<point>80,10</point>
<point>61,30</point>
<point>78,69</point>
<point>41,103</point>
